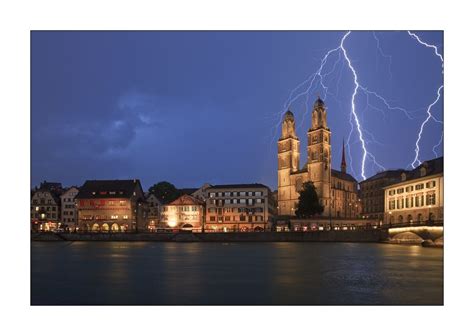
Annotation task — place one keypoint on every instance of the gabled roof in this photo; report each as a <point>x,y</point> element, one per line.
<point>103,189</point>
<point>343,176</point>
<point>185,200</point>
<point>54,195</point>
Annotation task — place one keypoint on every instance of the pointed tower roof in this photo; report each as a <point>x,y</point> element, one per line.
<point>289,115</point>
<point>319,102</point>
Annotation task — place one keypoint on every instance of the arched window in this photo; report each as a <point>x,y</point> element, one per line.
<point>400,219</point>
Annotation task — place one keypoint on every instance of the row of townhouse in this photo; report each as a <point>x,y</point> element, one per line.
<point>122,206</point>
<point>52,206</point>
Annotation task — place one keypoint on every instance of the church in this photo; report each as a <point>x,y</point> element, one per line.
<point>337,190</point>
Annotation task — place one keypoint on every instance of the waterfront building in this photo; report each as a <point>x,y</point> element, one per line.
<point>154,213</point>
<point>337,190</point>
<point>372,193</point>
<point>184,213</point>
<point>418,197</point>
<point>68,208</point>
<point>239,207</point>
<point>45,209</point>
<point>112,205</point>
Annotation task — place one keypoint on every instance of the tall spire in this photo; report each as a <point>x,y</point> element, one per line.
<point>343,161</point>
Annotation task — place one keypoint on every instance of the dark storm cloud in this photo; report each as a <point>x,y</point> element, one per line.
<point>195,107</point>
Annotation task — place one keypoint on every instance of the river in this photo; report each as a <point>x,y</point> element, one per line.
<point>142,273</point>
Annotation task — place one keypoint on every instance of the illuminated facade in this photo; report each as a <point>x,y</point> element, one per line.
<point>154,212</point>
<point>45,210</point>
<point>68,208</point>
<point>239,207</point>
<point>111,206</point>
<point>419,197</point>
<point>336,190</point>
<point>184,213</point>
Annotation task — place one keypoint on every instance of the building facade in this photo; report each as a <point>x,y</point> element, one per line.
<point>111,206</point>
<point>337,190</point>
<point>418,197</point>
<point>372,193</point>
<point>239,207</point>
<point>45,210</point>
<point>154,212</point>
<point>184,213</point>
<point>68,208</point>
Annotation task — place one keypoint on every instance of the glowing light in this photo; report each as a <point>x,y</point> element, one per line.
<point>172,222</point>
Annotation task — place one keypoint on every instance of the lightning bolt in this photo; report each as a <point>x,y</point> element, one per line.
<point>416,160</point>
<point>311,79</point>
<point>438,144</point>
<point>318,78</point>
<point>379,48</point>
<point>420,133</point>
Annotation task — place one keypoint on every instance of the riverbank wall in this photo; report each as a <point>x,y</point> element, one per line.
<point>312,236</point>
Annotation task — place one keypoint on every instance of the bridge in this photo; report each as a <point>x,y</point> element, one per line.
<point>416,232</point>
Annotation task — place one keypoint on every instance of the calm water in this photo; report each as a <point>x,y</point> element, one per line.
<point>234,273</point>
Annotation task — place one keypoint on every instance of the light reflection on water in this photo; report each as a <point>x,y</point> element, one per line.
<point>234,273</point>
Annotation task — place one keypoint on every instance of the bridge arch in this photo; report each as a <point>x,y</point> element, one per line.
<point>407,238</point>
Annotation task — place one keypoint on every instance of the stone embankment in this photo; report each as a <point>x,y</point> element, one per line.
<point>312,236</point>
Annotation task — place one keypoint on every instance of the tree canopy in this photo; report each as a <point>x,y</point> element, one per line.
<point>165,191</point>
<point>308,202</point>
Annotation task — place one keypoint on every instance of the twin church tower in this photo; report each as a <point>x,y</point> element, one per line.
<point>337,190</point>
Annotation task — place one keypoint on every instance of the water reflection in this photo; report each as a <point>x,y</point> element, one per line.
<point>234,273</point>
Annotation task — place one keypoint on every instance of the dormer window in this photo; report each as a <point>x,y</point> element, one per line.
<point>423,171</point>
<point>404,177</point>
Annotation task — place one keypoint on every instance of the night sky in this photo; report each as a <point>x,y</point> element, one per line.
<point>196,107</point>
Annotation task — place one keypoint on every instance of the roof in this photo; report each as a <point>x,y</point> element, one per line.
<point>319,102</point>
<point>188,191</point>
<point>394,173</point>
<point>289,115</point>
<point>54,195</point>
<point>343,176</point>
<point>66,190</point>
<point>102,188</point>
<point>433,167</point>
<point>185,200</point>
<point>238,186</point>
<point>50,185</point>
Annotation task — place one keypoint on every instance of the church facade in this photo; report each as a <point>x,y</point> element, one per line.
<point>337,190</point>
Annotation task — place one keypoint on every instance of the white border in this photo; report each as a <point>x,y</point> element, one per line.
<point>21,16</point>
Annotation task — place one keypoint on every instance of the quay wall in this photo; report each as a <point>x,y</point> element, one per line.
<point>312,236</point>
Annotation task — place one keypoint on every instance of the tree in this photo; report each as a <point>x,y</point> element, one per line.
<point>308,202</point>
<point>165,191</point>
